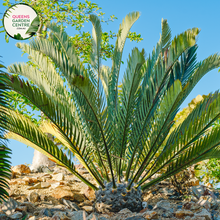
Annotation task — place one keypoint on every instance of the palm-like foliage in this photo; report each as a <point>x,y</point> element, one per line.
<point>4,151</point>
<point>117,130</point>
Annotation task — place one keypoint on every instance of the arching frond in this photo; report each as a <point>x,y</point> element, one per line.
<point>95,55</point>
<point>5,163</point>
<point>25,131</point>
<point>117,56</point>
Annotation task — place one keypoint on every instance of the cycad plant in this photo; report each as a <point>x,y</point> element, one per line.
<point>122,134</point>
<point>5,164</point>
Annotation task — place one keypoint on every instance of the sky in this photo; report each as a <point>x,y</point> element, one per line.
<point>181,15</point>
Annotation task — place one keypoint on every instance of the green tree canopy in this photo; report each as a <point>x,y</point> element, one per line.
<point>65,12</point>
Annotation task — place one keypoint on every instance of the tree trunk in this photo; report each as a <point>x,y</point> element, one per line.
<point>40,160</point>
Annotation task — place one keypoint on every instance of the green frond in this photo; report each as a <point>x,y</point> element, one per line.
<point>25,131</point>
<point>5,163</point>
<point>165,39</point>
<point>159,127</point>
<point>95,55</point>
<point>124,28</point>
<point>64,45</point>
<point>5,170</point>
<point>59,114</point>
<point>189,132</point>
<point>166,35</point>
<point>104,74</point>
<point>197,152</point>
<point>87,100</point>
<point>155,83</point>
<point>83,150</point>
<point>128,100</point>
<point>46,78</point>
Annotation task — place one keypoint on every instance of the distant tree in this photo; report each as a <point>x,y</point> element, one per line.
<point>65,12</point>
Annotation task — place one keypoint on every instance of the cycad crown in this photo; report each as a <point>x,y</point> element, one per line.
<point>117,131</point>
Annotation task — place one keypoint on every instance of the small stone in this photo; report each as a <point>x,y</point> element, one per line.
<point>216,194</point>
<point>102,207</point>
<point>34,197</point>
<point>54,185</point>
<point>167,214</point>
<point>207,202</point>
<point>58,207</point>
<point>86,202</point>
<point>36,186</point>
<point>198,191</point>
<point>43,198</point>
<point>58,177</point>
<point>71,204</point>
<point>196,218</point>
<point>150,207</point>
<point>195,207</point>
<point>102,218</point>
<point>183,213</point>
<point>45,185</point>
<point>3,216</point>
<point>60,215</point>
<point>53,200</point>
<point>125,211</point>
<point>167,191</point>
<point>36,213</point>
<point>83,171</point>
<point>79,166</point>
<point>143,210</point>
<point>150,215</point>
<point>30,206</point>
<point>77,215</point>
<point>135,218</point>
<point>179,207</point>
<point>20,169</point>
<point>32,218</point>
<point>92,217</point>
<point>33,180</point>
<point>21,208</point>
<point>163,204</point>
<point>46,169</point>
<point>47,175</point>
<point>194,199</point>
<point>13,174</point>
<point>63,192</point>
<point>88,208</point>
<point>16,215</point>
<point>204,213</point>
<point>19,182</point>
<point>13,182</point>
<point>79,197</point>
<point>9,206</point>
<point>89,193</point>
<point>45,212</point>
<point>215,215</point>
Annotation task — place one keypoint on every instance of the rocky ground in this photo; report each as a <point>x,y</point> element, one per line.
<point>56,194</point>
